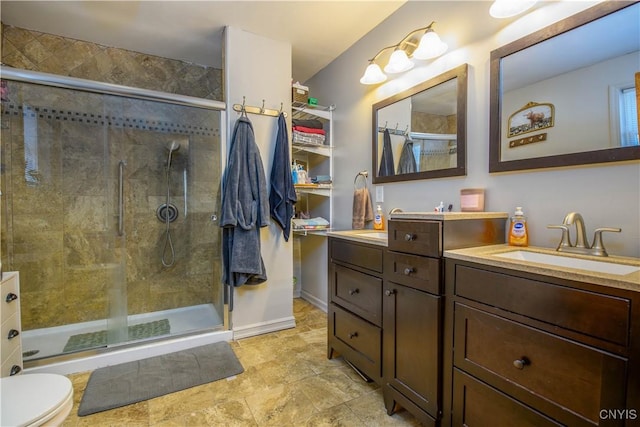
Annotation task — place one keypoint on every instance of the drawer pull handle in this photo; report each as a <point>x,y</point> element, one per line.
<point>409,237</point>
<point>15,369</point>
<point>409,270</point>
<point>521,363</point>
<point>11,297</point>
<point>389,292</point>
<point>12,334</point>
<point>353,291</point>
<point>353,335</point>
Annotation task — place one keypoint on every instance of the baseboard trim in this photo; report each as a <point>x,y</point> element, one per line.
<point>314,300</point>
<point>263,327</point>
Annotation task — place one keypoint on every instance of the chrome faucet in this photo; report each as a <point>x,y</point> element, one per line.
<point>582,245</point>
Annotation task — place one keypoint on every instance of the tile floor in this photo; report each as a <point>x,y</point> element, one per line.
<point>288,381</point>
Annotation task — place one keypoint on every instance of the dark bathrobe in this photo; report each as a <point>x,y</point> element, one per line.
<point>407,162</point>
<point>283,195</point>
<point>386,163</point>
<point>245,208</point>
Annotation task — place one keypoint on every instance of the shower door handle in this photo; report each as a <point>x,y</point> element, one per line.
<point>121,197</point>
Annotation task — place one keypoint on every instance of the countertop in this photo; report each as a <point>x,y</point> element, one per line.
<point>448,216</point>
<point>487,255</point>
<point>363,236</point>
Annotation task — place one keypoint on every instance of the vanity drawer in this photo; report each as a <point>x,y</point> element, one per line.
<point>415,271</point>
<point>9,308</point>
<point>357,292</point>
<point>416,237</point>
<point>360,255</point>
<point>475,404</point>
<point>358,334</point>
<point>559,375</point>
<point>604,317</point>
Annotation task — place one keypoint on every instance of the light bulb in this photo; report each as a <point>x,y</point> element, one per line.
<point>399,62</point>
<point>508,8</point>
<point>373,75</point>
<point>430,46</point>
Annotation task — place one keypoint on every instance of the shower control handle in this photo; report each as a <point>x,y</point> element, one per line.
<point>15,369</point>
<point>11,297</point>
<point>12,334</point>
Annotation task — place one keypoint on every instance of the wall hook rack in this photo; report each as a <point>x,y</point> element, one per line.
<point>242,108</point>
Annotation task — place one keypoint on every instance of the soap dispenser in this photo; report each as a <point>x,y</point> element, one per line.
<point>518,233</point>
<point>378,219</point>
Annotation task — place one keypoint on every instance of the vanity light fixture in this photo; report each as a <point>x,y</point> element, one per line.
<point>509,8</point>
<point>430,46</point>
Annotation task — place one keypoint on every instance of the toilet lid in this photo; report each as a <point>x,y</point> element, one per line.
<point>29,397</point>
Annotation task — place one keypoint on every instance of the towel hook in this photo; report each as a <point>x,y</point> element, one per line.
<point>262,108</point>
<point>281,107</point>
<point>243,111</point>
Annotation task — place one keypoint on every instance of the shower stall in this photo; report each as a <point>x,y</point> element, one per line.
<point>109,200</point>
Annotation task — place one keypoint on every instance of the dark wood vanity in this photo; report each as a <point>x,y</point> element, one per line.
<point>525,349</point>
<point>386,305</point>
<point>457,342</point>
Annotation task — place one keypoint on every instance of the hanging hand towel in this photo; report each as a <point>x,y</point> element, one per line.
<point>245,208</point>
<point>283,195</point>
<point>386,163</point>
<point>362,209</point>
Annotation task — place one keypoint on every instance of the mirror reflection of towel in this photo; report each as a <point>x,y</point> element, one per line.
<point>362,208</point>
<point>407,163</point>
<point>386,162</point>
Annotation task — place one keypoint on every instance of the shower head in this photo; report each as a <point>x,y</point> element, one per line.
<point>173,146</point>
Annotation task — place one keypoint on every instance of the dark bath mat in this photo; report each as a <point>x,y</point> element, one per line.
<point>132,382</point>
<point>99,339</point>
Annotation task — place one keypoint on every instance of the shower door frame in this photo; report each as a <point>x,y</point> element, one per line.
<point>53,80</point>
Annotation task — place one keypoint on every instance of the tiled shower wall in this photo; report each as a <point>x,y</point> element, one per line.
<point>59,217</point>
<point>48,53</point>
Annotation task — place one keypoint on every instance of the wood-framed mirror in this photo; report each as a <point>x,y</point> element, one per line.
<point>420,133</point>
<point>567,94</point>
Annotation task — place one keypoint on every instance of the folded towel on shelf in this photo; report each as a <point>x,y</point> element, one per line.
<point>309,123</point>
<point>362,209</point>
<point>309,130</point>
<point>317,223</point>
<point>308,138</point>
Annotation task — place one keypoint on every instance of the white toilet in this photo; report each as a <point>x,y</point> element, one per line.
<point>35,400</point>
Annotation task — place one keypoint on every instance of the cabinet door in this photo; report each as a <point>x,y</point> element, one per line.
<point>411,340</point>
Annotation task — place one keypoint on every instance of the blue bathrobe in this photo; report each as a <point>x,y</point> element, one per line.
<point>282,196</point>
<point>245,208</point>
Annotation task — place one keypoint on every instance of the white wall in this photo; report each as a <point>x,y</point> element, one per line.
<point>259,68</point>
<point>606,195</point>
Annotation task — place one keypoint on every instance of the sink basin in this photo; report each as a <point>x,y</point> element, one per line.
<point>373,234</point>
<point>570,262</point>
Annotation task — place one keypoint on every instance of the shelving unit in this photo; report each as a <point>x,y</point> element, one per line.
<point>310,246</point>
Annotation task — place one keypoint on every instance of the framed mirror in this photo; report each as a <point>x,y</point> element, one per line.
<point>567,94</point>
<point>421,133</point>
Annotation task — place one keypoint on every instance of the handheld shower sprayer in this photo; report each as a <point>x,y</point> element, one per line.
<point>171,147</point>
<point>168,212</point>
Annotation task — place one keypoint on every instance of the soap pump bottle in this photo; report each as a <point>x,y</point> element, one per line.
<point>378,219</point>
<point>518,233</point>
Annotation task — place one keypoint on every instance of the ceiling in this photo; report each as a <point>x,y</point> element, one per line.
<point>319,31</point>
